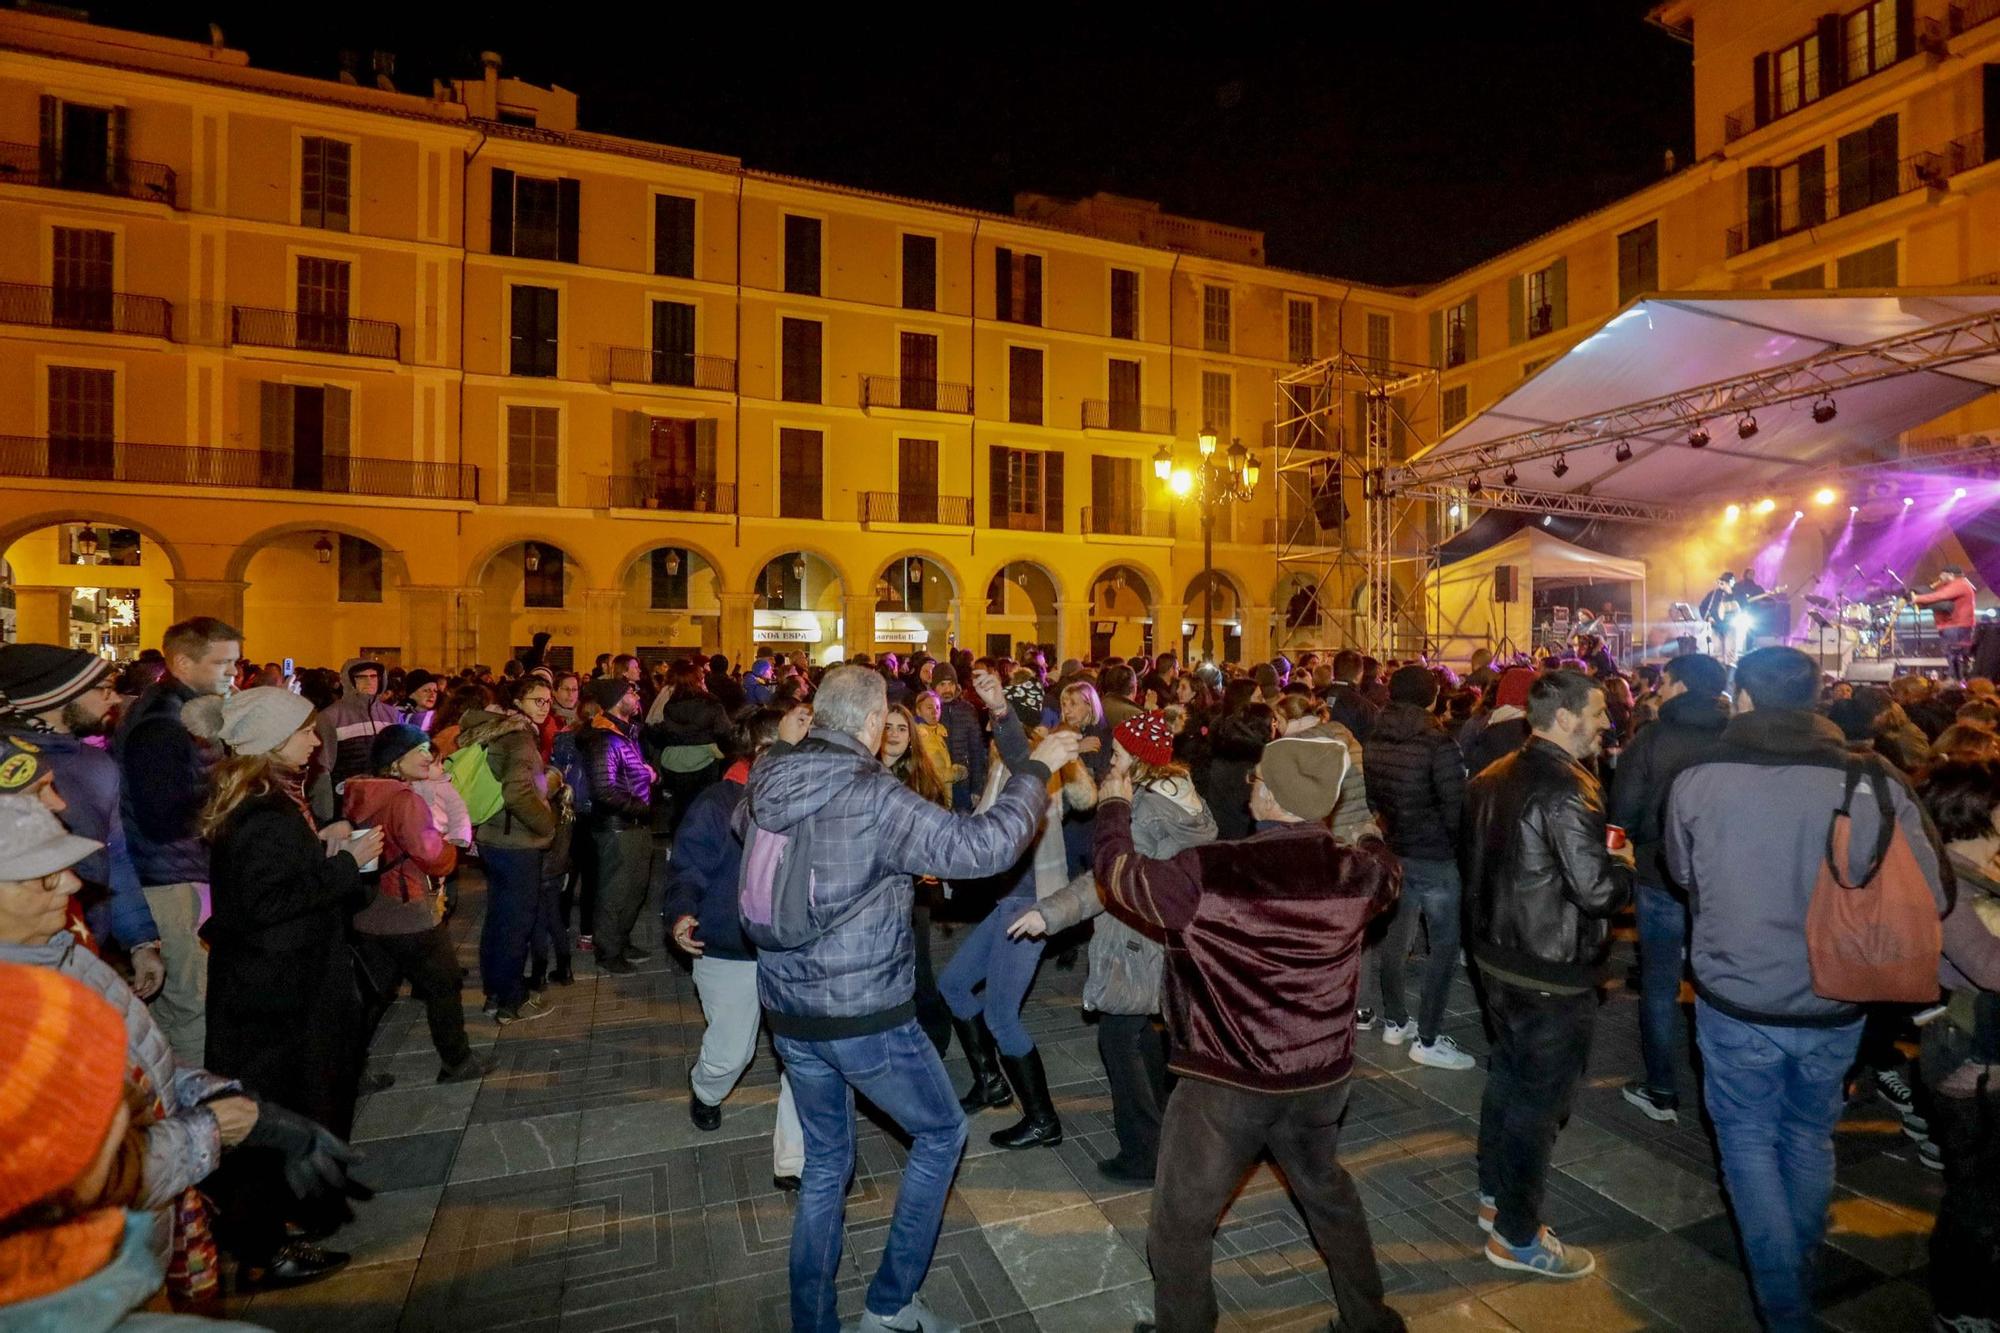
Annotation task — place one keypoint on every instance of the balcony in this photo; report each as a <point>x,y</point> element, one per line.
<point>800,499</point>
<point>891,507</point>
<point>91,309</point>
<point>681,370</point>
<point>251,327</point>
<point>1931,169</point>
<point>916,395</point>
<point>255,469</point>
<point>1126,521</point>
<point>25,164</point>
<point>678,495</point>
<point>1137,418</point>
<point>1962,17</point>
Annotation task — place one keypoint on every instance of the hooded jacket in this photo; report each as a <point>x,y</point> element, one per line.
<point>513,753</point>
<point>1168,817</point>
<point>1416,782</point>
<point>701,875</point>
<point>88,780</point>
<point>1688,727</point>
<point>412,851</point>
<point>870,835</point>
<point>1746,828</point>
<point>347,727</point>
<point>165,769</point>
<point>114,1298</point>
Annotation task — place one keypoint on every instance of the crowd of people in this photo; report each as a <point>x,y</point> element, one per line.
<point>237,867</point>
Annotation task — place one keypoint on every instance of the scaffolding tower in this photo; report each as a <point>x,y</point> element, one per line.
<point>1341,425</point>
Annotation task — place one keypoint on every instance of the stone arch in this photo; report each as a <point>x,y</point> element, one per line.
<point>1029,611</point>
<point>14,529</point>
<point>1149,581</point>
<point>247,550</point>
<point>810,613</point>
<point>763,558</point>
<point>915,613</point>
<point>476,568</point>
<point>1048,571</point>
<point>690,617</point>
<point>292,604</point>
<point>930,558</point>
<point>121,608</point>
<point>646,548</point>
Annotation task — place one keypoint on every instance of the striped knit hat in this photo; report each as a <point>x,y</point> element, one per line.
<point>63,1049</point>
<point>36,677</point>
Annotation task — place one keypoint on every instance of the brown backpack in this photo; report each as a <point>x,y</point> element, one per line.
<point>1877,938</point>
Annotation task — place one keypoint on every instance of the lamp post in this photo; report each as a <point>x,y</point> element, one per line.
<point>1212,482</point>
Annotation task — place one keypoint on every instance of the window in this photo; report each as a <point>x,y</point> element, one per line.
<point>1638,261</point>
<point>1805,280</point>
<point>917,482</point>
<point>802,255</point>
<point>1455,334</point>
<point>323,183</point>
<point>1124,303</point>
<point>800,493</point>
<point>360,570</point>
<point>1379,353</point>
<point>322,293</point>
<point>1541,315</point>
<point>1786,198</point>
<point>83,147</point>
<point>542,586</point>
<point>1795,75</point>
<point>673,236</point>
<point>1027,489</point>
<point>304,430</point>
<point>531,334</point>
<point>1868,167</point>
<point>800,356</point>
<point>676,465</point>
<point>1017,287</point>
<point>1215,404</point>
<point>1873,267</point>
<point>1116,496</point>
<point>1530,367</point>
<point>917,364</point>
<point>82,272</point>
<point>673,343</point>
<point>1122,381</point>
<point>1453,406</point>
<point>919,272</point>
<point>1869,40</point>
<point>82,414</point>
<point>535,217</point>
<point>1299,330</point>
<point>669,584</point>
<point>1215,326</point>
<point>1024,385</point>
<point>532,453</point>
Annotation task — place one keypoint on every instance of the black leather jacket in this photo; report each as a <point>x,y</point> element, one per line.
<point>1540,886</point>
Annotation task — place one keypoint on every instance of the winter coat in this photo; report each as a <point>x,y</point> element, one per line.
<point>1688,726</point>
<point>448,813</point>
<point>513,753</point>
<point>1504,733</point>
<point>725,691</point>
<point>347,730</point>
<point>284,1012</point>
<point>413,851</point>
<point>700,878</point>
<point>621,786</point>
<point>1352,818</point>
<point>937,749</point>
<point>87,779</point>
<point>1416,782</point>
<point>113,1299</point>
<point>690,732</point>
<point>757,685</point>
<point>870,835</point>
<point>1351,708</point>
<point>965,735</point>
<point>1043,869</point>
<point>1125,961</point>
<point>165,769</point>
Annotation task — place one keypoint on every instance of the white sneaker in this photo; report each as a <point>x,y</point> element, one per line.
<point>1398,1033</point>
<point>916,1317</point>
<point>1440,1054</point>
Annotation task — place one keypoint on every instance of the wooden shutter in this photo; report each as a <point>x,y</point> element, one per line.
<point>1437,340</point>
<point>1559,292</point>
<point>673,236</point>
<point>1830,70</point>
<point>116,144</point>
<point>1906,30</point>
<point>336,183</point>
<point>274,414</point>
<point>51,141</point>
<point>1471,328</point>
<point>1883,151</point>
<point>501,236</point>
<point>1851,154</point>
<point>996,480</point>
<point>1003,283</point>
<point>1760,78</point>
<point>1517,310</point>
<point>569,217</point>
<point>1031,289</point>
<point>336,415</point>
<point>919,272</point>
<point>1762,183</point>
<point>704,450</point>
<point>1052,491</point>
<point>1812,188</point>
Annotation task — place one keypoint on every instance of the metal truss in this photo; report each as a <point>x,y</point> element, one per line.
<point>1829,372</point>
<point>1517,500</point>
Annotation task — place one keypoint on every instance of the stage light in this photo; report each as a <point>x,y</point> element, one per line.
<point>1453,511</point>
<point>1766,505</point>
<point>1623,453</point>
<point>1798,514</point>
<point>1741,620</point>
<point>1824,496</point>
<point>1824,411</point>
<point>1907,502</point>
<point>1958,494</point>
<point>1561,469</point>
<point>1475,486</point>
<point>1852,510</point>
<point>1746,426</point>
<point>1732,513</point>
<point>1698,437</point>
<point>1509,477</point>
<point>1548,520</point>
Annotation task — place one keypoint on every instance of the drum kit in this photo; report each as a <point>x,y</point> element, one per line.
<point>1875,623</point>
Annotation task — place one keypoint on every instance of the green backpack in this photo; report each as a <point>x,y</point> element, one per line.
<point>477,786</point>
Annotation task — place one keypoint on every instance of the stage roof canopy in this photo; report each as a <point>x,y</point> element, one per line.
<point>1695,346</point>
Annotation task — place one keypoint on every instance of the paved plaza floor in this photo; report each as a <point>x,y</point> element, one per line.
<point>569,1191</point>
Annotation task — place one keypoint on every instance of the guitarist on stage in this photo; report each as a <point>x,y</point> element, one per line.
<point>1952,610</point>
<point>1718,608</point>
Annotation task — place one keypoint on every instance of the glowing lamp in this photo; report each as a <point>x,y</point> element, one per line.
<point>1766,505</point>
<point>1741,620</point>
<point>1163,463</point>
<point>1958,494</point>
<point>1732,513</point>
<point>1181,482</point>
<point>1798,514</point>
<point>1907,502</point>
<point>1824,496</point>
<point>1453,511</point>
<point>1206,440</point>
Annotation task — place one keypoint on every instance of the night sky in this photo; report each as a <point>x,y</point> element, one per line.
<point>1391,149</point>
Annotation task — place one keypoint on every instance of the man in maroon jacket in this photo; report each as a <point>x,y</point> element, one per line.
<point>1263,957</point>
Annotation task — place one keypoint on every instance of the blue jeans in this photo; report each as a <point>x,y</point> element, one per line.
<point>1432,889</point>
<point>1663,928</point>
<point>1007,969</point>
<point>899,1071</point>
<point>1775,1094</point>
<point>513,899</point>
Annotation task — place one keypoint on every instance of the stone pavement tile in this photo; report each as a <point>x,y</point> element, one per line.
<point>749,1237</point>
<point>1056,1256</point>
<point>1888,1240</point>
<point>1433,1257</point>
<point>390,1228</point>
<point>1129,1215</point>
<point>1683,1282</point>
<point>659,1119</point>
<point>1460,1089</point>
<point>662,1182</point>
<point>698,1310</point>
<point>420,1110</point>
<point>1112,1311</point>
<point>967,1282</point>
<point>522,1210</point>
<point>1582,1216</point>
<point>1893,1307</point>
<point>736,1169</point>
<point>513,1287</point>
<point>1273,1288</point>
<point>1645,1183</point>
<point>1468,1316</point>
<point>510,1147</point>
<point>1895,1178</point>
<point>354,1300</point>
<point>1579,1138</point>
<point>409,1161</point>
<point>1007,1186</point>
<point>661,1255</point>
<point>1585,1305</point>
<point>1840,1274</point>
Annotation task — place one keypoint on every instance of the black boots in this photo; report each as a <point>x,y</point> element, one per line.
<point>1038,1127</point>
<point>989,1087</point>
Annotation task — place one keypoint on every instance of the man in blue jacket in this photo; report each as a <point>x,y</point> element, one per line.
<point>842,1006</point>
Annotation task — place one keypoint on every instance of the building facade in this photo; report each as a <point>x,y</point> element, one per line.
<point>425,374</point>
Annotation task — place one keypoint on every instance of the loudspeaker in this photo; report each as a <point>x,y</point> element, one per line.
<point>1986,651</point>
<point>1506,583</point>
<point>1329,506</point>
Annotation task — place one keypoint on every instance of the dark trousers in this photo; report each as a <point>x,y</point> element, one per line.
<point>1212,1136</point>
<point>681,789</point>
<point>513,887</point>
<point>1134,1050</point>
<point>427,961</point>
<point>548,941</point>
<point>624,865</point>
<point>1965,1244</point>
<point>1540,1045</point>
<point>933,1014</point>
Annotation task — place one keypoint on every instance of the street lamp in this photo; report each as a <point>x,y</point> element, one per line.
<point>1212,482</point>
<point>87,543</point>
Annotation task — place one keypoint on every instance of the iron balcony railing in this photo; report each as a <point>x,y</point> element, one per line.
<point>1970,14</point>
<point>91,308</point>
<point>315,333</point>
<point>683,370</point>
<point>1971,150</point>
<point>1116,414</point>
<point>27,164</point>
<point>916,395</point>
<point>256,469</point>
<point>1930,169</point>
<point>679,495</point>
<point>899,507</point>
<point>1125,521</point>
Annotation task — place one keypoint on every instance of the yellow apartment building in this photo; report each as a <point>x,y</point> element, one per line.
<point>424,373</point>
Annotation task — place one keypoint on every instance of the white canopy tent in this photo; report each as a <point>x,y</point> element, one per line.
<point>1464,596</point>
